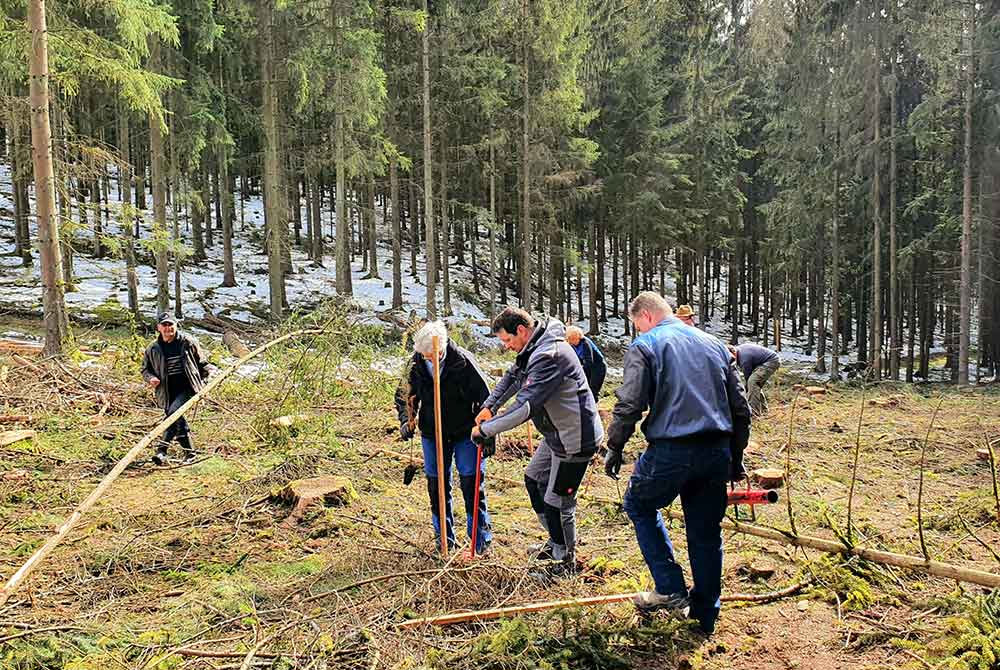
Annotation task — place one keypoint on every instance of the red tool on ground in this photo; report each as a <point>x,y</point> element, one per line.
<point>752,496</point>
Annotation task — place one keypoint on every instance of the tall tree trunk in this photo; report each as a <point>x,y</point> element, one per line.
<point>525,163</point>
<point>228,271</point>
<point>835,266</point>
<point>876,311</point>
<point>493,228</point>
<point>274,210</point>
<point>431,252</point>
<point>125,187</point>
<point>372,238</point>
<point>176,235</point>
<point>397,240</point>
<point>965,317</point>
<point>158,176</point>
<point>414,221</point>
<point>445,233</point>
<point>894,344</point>
<point>53,303</point>
<point>18,170</point>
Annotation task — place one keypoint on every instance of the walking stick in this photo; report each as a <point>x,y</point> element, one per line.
<point>475,505</point>
<point>439,440</point>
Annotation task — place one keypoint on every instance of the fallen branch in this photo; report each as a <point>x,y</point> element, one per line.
<point>22,573</point>
<point>32,631</point>
<point>504,612</point>
<point>381,578</point>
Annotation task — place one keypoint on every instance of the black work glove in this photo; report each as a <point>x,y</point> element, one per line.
<point>613,461</point>
<point>737,471</point>
<point>487,444</point>
<point>405,431</point>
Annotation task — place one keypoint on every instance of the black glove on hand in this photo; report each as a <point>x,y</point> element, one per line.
<point>737,471</point>
<point>405,432</point>
<point>489,446</point>
<point>613,462</point>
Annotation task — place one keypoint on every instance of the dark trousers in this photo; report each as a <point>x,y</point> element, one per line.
<point>179,428</point>
<point>697,471</point>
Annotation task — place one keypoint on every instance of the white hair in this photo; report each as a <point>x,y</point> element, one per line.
<point>423,341</point>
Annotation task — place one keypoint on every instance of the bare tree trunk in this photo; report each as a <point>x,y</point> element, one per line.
<point>493,227</point>
<point>413,215</point>
<point>175,189</point>
<point>835,267</point>
<point>397,241</point>
<point>431,252</point>
<point>372,236</point>
<point>274,209</point>
<point>158,179</point>
<point>525,164</point>
<point>228,271</point>
<point>894,344</point>
<point>876,311</point>
<point>965,318</point>
<point>445,233</point>
<point>53,303</point>
<point>125,188</point>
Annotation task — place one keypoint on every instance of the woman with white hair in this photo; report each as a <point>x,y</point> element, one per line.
<point>463,390</point>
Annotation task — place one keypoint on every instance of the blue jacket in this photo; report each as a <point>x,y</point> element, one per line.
<point>548,387</point>
<point>593,364</point>
<point>688,381</point>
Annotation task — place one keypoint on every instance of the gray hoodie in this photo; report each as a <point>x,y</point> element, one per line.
<point>551,389</point>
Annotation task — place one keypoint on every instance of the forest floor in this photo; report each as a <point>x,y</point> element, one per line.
<point>196,566</point>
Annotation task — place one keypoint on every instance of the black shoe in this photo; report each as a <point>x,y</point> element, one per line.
<point>185,442</point>
<point>159,458</point>
<point>554,570</point>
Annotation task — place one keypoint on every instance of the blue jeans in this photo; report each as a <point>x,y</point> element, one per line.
<point>697,470</point>
<point>464,453</point>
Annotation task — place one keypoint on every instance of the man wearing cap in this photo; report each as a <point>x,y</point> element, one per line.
<point>696,430</point>
<point>685,314</point>
<point>590,357</point>
<point>176,369</point>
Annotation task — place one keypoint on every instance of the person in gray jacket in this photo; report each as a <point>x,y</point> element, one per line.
<point>696,429</point>
<point>757,364</point>
<point>549,387</point>
<point>176,369</point>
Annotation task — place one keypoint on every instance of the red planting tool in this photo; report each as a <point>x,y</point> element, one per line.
<point>752,496</point>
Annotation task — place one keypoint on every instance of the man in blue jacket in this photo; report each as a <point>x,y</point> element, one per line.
<point>549,388</point>
<point>590,357</point>
<point>697,427</point>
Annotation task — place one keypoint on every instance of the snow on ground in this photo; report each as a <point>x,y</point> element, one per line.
<point>99,281</point>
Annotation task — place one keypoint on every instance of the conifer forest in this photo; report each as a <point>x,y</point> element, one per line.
<point>302,189</point>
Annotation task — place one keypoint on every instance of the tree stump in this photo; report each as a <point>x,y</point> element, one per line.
<point>769,478</point>
<point>303,493</point>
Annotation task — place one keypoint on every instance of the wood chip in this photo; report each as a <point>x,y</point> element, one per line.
<point>9,437</point>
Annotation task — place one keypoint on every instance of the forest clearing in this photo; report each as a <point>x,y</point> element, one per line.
<point>199,566</point>
<point>267,268</point>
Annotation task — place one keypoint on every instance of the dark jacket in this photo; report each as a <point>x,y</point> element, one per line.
<point>552,391</point>
<point>154,364</point>
<point>593,364</point>
<point>463,390</point>
<point>688,380</point>
<point>750,356</point>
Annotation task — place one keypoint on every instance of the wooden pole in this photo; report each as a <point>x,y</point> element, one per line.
<point>442,519</point>
<point>22,573</point>
<point>516,610</point>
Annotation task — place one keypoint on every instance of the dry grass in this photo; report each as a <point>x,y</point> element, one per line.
<point>179,563</point>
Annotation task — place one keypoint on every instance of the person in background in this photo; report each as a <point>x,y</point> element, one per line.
<point>758,364</point>
<point>463,390</point>
<point>685,314</point>
<point>175,367</point>
<point>696,431</point>
<point>590,357</point>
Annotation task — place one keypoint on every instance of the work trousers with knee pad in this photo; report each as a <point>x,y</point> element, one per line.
<point>552,482</point>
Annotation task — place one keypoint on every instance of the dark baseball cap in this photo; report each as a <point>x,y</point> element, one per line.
<point>167,317</point>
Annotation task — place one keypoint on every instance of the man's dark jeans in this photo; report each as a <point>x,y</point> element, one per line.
<point>697,470</point>
<point>178,428</point>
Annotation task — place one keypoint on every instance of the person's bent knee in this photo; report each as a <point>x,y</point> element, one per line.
<point>535,494</point>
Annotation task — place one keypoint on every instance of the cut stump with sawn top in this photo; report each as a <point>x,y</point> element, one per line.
<point>303,493</point>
